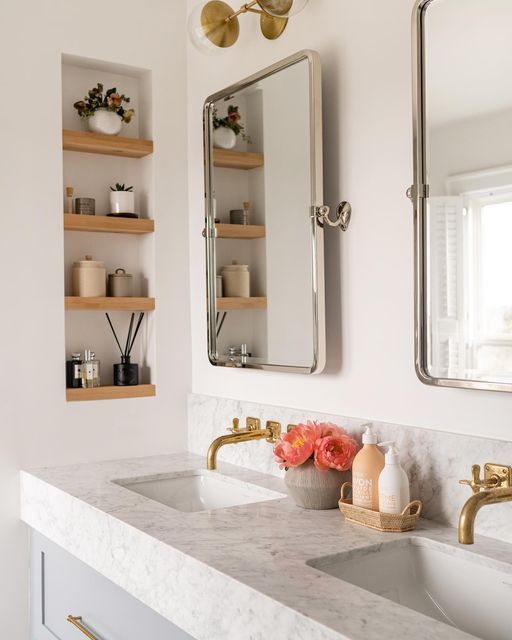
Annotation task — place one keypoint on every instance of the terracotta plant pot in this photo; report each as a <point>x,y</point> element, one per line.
<point>313,489</point>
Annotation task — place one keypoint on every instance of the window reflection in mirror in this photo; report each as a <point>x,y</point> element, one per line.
<point>468,225</point>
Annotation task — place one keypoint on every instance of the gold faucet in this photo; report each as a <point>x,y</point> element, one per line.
<point>495,487</point>
<point>252,431</point>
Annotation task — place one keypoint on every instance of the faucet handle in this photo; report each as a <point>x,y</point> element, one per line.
<point>235,428</point>
<point>252,424</point>
<point>274,431</point>
<point>476,484</point>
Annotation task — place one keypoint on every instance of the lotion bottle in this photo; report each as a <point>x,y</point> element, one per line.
<point>394,494</point>
<point>366,469</point>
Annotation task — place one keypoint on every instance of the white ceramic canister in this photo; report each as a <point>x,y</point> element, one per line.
<point>236,280</point>
<point>89,278</point>
<point>120,284</point>
<point>218,286</point>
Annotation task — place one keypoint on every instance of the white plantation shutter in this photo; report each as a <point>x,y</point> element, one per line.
<point>445,229</point>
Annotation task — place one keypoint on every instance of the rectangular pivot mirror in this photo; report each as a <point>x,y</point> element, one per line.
<point>462,193</point>
<point>264,246</point>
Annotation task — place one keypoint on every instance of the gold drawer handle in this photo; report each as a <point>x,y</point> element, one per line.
<point>76,620</point>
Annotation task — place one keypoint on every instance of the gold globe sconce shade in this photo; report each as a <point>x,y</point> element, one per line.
<point>214,25</point>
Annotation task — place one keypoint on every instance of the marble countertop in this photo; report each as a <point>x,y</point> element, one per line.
<point>226,574</point>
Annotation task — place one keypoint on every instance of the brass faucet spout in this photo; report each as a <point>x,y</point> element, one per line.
<point>211,459</point>
<point>270,434</point>
<point>473,506</point>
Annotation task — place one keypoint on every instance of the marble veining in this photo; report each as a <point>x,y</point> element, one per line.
<point>233,574</point>
<point>434,460</point>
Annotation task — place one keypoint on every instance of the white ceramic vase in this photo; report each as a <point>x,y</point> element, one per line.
<point>313,489</point>
<point>224,138</point>
<point>105,121</point>
<point>122,202</point>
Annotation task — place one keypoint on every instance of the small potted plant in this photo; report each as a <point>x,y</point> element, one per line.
<point>317,458</point>
<point>226,130</point>
<point>122,201</point>
<point>104,113</point>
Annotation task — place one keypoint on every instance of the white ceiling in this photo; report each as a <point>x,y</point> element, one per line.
<point>468,58</point>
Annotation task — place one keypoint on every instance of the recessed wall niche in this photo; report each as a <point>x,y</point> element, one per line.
<point>91,164</point>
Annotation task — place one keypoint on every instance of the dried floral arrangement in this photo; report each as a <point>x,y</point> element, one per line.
<point>111,101</point>
<point>231,121</point>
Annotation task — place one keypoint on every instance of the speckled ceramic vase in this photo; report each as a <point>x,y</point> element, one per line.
<point>313,489</point>
<point>224,138</point>
<point>105,121</point>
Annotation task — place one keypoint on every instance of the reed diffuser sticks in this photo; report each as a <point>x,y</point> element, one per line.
<point>130,341</point>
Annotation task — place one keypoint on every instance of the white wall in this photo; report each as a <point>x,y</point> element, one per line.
<point>37,426</point>
<point>365,51</point>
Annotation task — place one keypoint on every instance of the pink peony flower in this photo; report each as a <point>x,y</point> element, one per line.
<point>329,429</point>
<point>295,447</point>
<point>335,451</point>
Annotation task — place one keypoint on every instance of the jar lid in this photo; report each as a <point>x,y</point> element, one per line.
<point>89,263</point>
<point>235,267</point>
<point>120,273</point>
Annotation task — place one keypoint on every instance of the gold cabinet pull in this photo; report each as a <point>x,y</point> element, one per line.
<point>77,621</point>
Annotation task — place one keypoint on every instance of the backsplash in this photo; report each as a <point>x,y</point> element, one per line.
<point>435,461</point>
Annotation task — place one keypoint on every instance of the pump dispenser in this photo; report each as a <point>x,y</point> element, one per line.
<point>394,493</point>
<point>366,469</point>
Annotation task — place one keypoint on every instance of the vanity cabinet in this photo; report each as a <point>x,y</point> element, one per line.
<point>61,585</point>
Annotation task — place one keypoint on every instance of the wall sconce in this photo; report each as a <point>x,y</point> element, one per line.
<point>214,25</point>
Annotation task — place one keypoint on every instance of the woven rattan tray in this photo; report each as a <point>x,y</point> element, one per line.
<point>397,522</point>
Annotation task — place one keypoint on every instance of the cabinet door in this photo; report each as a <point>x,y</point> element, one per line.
<point>62,585</point>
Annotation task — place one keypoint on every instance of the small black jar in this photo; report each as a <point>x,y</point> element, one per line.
<point>126,374</point>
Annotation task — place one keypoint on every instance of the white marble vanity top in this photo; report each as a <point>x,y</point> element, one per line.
<point>227,574</point>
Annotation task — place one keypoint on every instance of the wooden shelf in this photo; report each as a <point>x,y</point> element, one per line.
<point>231,159</point>
<point>88,142</point>
<point>75,303</point>
<point>106,224</point>
<point>240,231</point>
<point>229,304</point>
<point>111,393</point>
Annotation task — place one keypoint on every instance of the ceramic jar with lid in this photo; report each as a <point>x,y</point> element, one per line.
<point>120,284</point>
<point>89,278</point>
<point>236,280</point>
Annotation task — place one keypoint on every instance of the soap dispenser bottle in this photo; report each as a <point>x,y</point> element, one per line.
<point>394,494</point>
<point>366,469</point>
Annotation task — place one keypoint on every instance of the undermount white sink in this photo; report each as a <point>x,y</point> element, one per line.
<point>198,490</point>
<point>455,586</point>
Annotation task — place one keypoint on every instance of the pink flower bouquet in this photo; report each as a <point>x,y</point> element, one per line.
<point>328,445</point>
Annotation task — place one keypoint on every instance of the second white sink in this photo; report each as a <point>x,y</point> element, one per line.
<point>198,490</point>
<point>460,588</point>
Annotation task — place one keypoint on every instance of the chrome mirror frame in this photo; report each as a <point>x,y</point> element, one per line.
<point>418,193</point>
<point>317,231</point>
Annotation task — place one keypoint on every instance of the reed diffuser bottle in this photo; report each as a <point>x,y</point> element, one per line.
<point>126,373</point>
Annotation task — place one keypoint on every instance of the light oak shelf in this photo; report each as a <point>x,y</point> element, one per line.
<point>107,224</point>
<point>75,303</point>
<point>240,231</point>
<point>230,304</point>
<point>231,159</point>
<point>88,142</point>
<point>111,393</point>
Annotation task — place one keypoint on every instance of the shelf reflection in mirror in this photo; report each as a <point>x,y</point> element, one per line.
<point>271,180</point>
